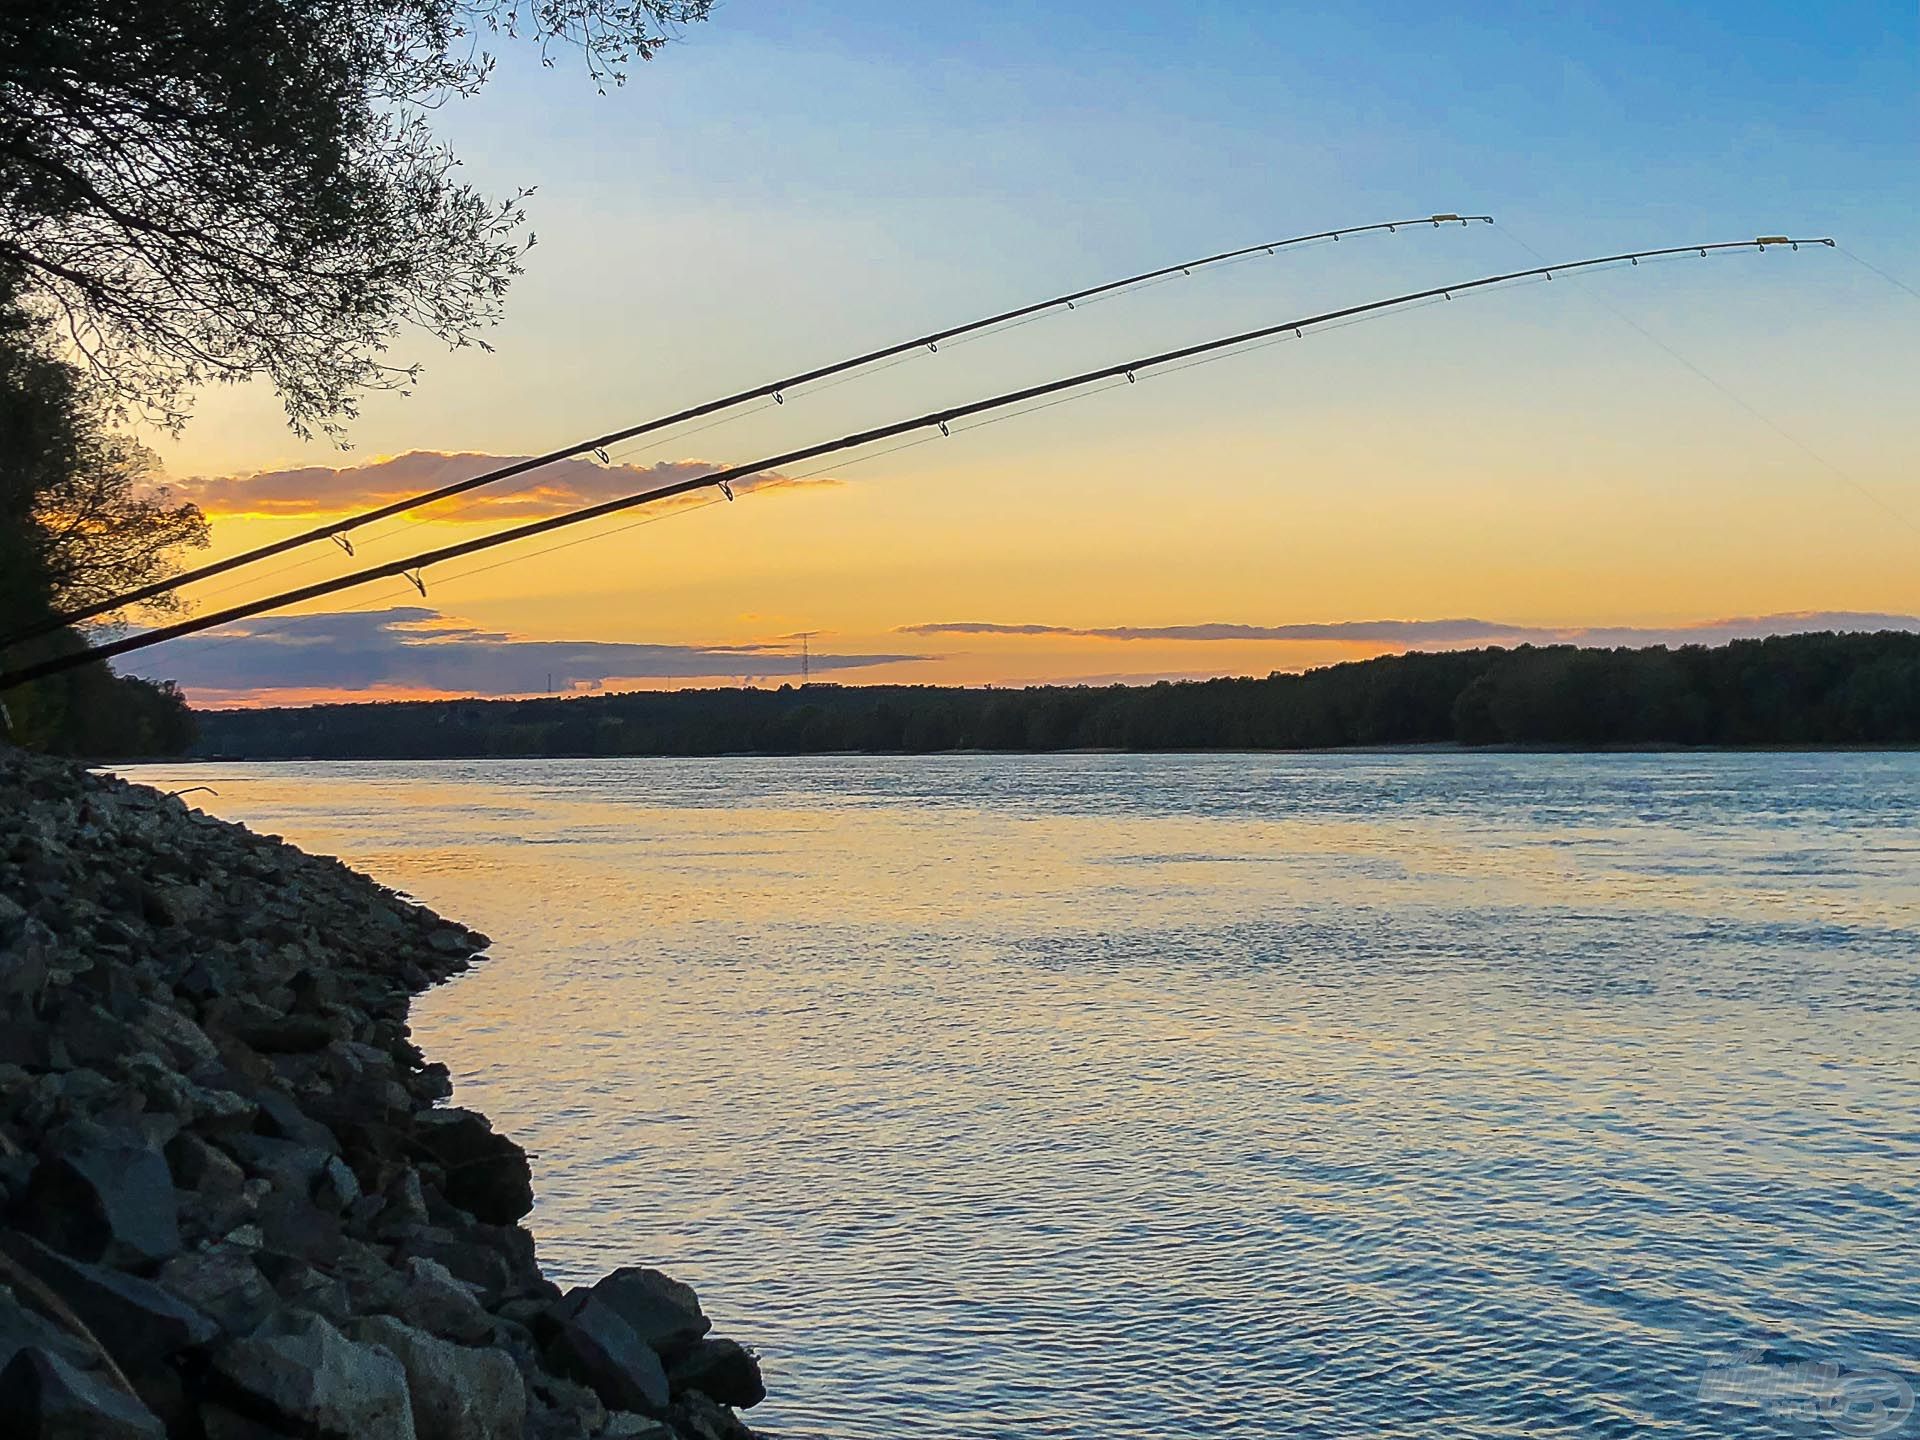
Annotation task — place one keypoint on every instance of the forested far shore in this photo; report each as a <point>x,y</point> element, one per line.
<point>1821,689</point>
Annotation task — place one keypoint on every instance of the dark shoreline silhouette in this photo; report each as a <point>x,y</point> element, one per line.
<point>1785,691</point>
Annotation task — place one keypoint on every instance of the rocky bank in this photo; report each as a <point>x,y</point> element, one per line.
<point>235,1205</point>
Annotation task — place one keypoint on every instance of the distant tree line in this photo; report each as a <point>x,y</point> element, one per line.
<point>1794,690</point>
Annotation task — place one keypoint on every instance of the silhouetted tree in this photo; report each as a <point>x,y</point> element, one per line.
<point>206,190</point>
<point>79,520</point>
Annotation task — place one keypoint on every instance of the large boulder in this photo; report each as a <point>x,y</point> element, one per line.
<point>486,1174</point>
<point>458,1393</point>
<point>662,1311</point>
<point>103,1196</point>
<point>590,1340</point>
<point>302,1371</point>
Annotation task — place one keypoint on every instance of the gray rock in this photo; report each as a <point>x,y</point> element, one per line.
<point>285,1164</point>
<point>43,1397</point>
<point>458,1393</point>
<point>300,1369</point>
<point>591,1341</point>
<point>335,1187</point>
<point>92,1036</point>
<point>662,1311</point>
<point>305,1288</point>
<point>292,1224</point>
<point>485,1269</point>
<point>283,1119</point>
<point>723,1370</point>
<point>625,1425</point>
<point>223,1283</point>
<point>187,1041</point>
<point>431,1299</point>
<point>103,1197</point>
<point>559,1407</point>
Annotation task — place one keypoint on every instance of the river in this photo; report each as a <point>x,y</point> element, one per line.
<point>1120,1097</point>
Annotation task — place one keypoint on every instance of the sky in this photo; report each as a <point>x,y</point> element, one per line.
<point>1692,449</point>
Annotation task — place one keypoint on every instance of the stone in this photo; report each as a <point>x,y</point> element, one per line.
<point>103,1197</point>
<point>285,1164</point>
<point>292,1224</point>
<point>559,1407</point>
<point>300,1370</point>
<point>625,1425</point>
<point>140,1324</point>
<point>458,1393</point>
<point>591,1341</point>
<point>301,1285</point>
<point>282,1119</point>
<point>335,1187</point>
<point>662,1311</point>
<point>485,1269</point>
<point>222,1283</point>
<point>431,1299</point>
<point>43,1397</point>
<point>406,1205</point>
<point>722,1370</point>
<point>372,1283</point>
<point>93,1037</point>
<point>187,1041</point>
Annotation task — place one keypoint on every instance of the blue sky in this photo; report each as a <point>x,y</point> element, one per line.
<point>795,182</point>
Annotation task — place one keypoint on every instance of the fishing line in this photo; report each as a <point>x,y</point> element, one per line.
<point>1893,280</point>
<point>1734,396</point>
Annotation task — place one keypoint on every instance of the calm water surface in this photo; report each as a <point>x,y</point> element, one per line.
<point>1124,1097</point>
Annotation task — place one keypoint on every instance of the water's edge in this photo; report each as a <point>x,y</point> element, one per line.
<point>232,1195</point>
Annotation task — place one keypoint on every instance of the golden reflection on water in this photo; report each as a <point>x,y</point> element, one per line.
<point>1425,1094</point>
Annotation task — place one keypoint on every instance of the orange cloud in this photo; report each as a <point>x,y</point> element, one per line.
<point>552,489</point>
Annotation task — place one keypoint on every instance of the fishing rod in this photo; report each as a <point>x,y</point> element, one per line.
<point>412,566</point>
<point>338,530</point>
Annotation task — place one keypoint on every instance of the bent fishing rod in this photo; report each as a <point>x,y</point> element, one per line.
<point>410,567</point>
<point>338,530</point>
